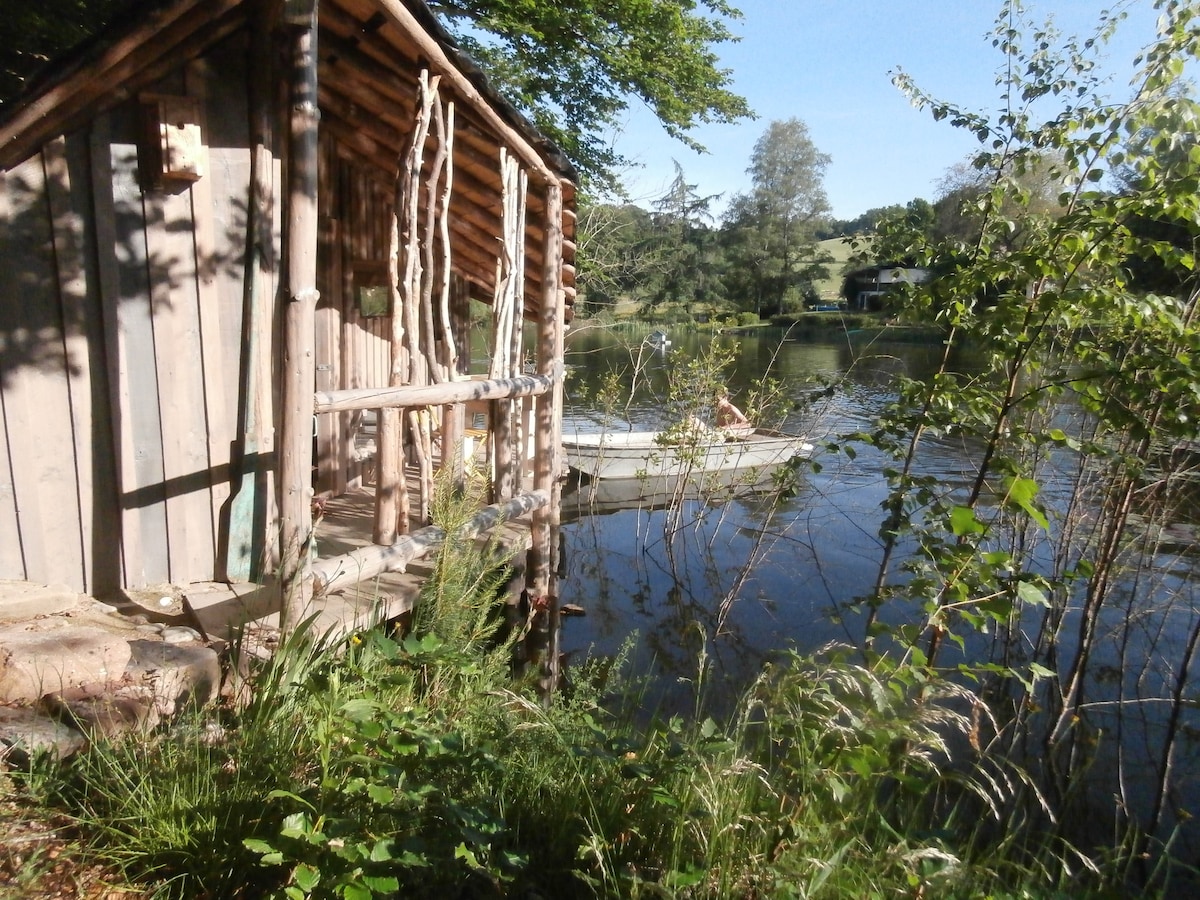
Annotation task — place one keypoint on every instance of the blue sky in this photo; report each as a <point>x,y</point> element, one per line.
<point>827,62</point>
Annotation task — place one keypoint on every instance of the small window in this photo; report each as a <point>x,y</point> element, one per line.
<point>371,290</point>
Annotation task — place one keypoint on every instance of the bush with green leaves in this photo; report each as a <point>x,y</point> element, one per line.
<point>1048,576</point>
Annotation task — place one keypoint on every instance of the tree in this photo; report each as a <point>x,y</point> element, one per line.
<point>33,33</point>
<point>683,240</point>
<point>1033,184</point>
<point>1088,382</point>
<point>772,228</point>
<point>614,257</point>
<point>574,66</point>
<point>862,224</point>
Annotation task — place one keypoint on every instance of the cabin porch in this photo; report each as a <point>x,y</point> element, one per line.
<point>224,611</point>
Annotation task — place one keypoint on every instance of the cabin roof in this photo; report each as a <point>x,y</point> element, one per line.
<point>370,53</point>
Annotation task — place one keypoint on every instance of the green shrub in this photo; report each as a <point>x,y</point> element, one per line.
<point>381,767</point>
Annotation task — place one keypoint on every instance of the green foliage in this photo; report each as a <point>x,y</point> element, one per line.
<point>387,767</point>
<point>31,34</point>
<point>396,801</point>
<point>574,66</point>
<point>1090,374</point>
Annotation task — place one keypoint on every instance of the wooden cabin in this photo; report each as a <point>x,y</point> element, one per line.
<point>227,229</point>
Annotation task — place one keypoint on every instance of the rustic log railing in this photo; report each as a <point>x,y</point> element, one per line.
<point>435,394</point>
<point>338,572</point>
<point>361,565</point>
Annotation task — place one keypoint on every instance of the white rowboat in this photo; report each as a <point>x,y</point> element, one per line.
<point>650,454</point>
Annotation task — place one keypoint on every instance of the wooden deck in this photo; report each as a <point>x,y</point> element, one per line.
<point>224,611</point>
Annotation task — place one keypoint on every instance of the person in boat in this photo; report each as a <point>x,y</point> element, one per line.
<point>730,418</point>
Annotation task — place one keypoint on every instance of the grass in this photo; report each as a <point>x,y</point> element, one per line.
<point>417,766</point>
<point>838,250</point>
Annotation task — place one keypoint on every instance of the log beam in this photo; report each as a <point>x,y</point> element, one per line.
<point>367,563</point>
<point>433,394</point>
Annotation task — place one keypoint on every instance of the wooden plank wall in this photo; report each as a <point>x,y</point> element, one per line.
<point>368,214</point>
<point>122,350</point>
<point>353,351</point>
<point>41,490</point>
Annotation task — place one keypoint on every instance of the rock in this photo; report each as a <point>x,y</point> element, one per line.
<point>104,711</point>
<point>180,634</point>
<point>99,606</point>
<point>48,655</point>
<point>24,732</point>
<point>20,600</point>
<point>176,674</point>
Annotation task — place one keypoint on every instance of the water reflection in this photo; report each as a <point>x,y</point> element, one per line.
<point>734,578</point>
<point>736,575</point>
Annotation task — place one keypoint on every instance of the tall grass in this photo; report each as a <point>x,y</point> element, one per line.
<point>385,766</point>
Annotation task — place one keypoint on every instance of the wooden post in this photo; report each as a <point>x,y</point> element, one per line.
<point>245,532</point>
<point>391,489</point>
<point>454,421</point>
<point>299,370</point>
<point>542,647</point>
<point>416,276</point>
<point>507,319</point>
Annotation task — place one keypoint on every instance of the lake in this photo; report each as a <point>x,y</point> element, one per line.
<point>731,580</point>
<point>753,573</point>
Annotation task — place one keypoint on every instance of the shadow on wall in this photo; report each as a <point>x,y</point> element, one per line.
<point>109,300</point>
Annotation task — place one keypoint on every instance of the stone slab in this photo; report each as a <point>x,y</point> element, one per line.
<point>49,655</point>
<point>25,732</point>
<point>176,674</point>
<point>21,600</point>
<point>221,610</point>
<point>246,612</point>
<point>103,711</point>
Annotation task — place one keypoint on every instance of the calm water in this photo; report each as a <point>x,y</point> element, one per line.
<point>744,577</point>
<point>749,575</point>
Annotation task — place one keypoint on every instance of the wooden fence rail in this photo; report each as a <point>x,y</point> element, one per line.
<point>433,394</point>
<point>368,562</point>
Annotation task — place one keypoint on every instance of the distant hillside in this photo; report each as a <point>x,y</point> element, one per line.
<point>839,249</point>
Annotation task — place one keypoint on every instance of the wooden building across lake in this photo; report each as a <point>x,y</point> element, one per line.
<point>227,229</point>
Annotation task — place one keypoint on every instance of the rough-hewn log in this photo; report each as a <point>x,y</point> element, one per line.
<point>548,409</point>
<point>542,641</point>
<point>449,346</point>
<point>454,415</point>
<point>362,565</point>
<point>299,363</point>
<point>418,274</point>
<point>433,394</point>
<point>391,488</point>
<point>507,315</point>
